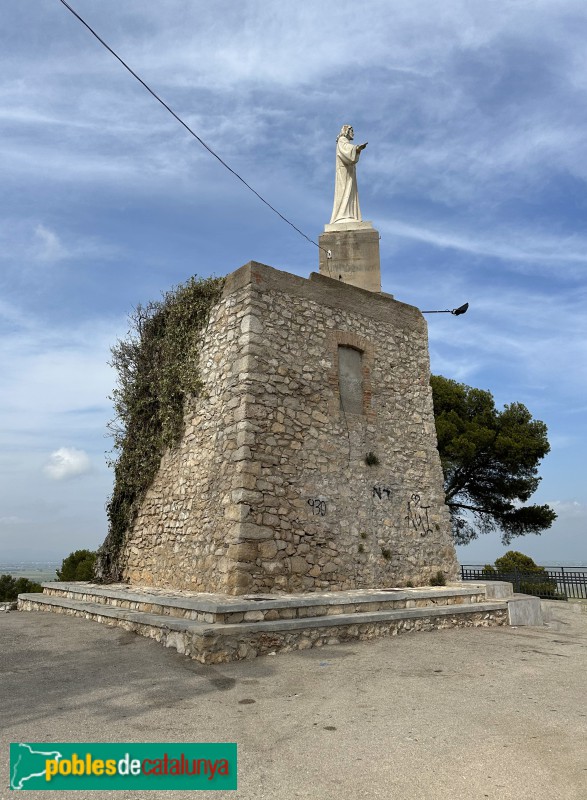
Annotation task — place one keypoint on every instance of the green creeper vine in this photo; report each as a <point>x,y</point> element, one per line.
<point>157,369</point>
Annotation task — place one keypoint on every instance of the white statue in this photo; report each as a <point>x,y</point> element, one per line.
<point>346,197</point>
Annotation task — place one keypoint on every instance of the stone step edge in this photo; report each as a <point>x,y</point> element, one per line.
<point>205,605</point>
<point>212,629</point>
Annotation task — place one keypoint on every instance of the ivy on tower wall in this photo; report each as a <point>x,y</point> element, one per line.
<point>157,366</point>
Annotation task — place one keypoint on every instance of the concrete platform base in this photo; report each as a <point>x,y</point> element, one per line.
<point>219,628</point>
<point>354,255</point>
<point>524,610</point>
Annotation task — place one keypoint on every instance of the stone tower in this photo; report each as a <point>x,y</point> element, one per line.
<point>310,460</point>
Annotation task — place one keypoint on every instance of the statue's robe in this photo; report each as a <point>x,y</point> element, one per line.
<point>346,198</point>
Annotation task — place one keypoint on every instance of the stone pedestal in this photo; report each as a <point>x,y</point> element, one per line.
<point>354,248</point>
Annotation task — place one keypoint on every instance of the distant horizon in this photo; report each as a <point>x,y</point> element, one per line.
<point>479,562</point>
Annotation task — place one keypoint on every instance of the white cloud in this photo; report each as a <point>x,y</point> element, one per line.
<point>67,462</point>
<point>508,244</point>
<point>56,378</point>
<point>9,521</point>
<point>48,246</point>
<point>26,244</point>
<point>246,73</point>
<point>569,509</point>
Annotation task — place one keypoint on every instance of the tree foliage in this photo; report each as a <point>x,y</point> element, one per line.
<point>490,461</point>
<point>527,576</point>
<point>11,587</point>
<point>78,566</point>
<point>157,366</point>
<point>514,560</point>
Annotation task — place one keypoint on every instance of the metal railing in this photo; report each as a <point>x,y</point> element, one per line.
<point>554,583</point>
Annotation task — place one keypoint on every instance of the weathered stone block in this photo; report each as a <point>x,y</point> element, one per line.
<point>267,549</point>
<point>251,531</point>
<point>243,551</point>
<point>299,565</point>
<point>273,567</point>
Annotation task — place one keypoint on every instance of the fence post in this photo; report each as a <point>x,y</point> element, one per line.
<point>564,584</point>
<point>516,580</point>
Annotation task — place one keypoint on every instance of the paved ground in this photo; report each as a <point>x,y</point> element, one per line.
<point>465,714</point>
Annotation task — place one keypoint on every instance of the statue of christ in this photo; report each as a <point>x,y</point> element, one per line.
<point>346,197</point>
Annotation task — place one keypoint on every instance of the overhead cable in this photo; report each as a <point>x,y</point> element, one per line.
<point>185,125</point>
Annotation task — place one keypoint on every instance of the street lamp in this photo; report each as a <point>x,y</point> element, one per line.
<point>456,311</point>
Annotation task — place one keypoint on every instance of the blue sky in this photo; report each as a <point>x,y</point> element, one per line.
<point>475,114</point>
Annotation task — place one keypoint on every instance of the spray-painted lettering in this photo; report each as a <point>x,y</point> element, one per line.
<point>318,506</point>
<point>418,515</point>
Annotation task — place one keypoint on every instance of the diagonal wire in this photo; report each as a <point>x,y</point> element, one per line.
<point>185,125</point>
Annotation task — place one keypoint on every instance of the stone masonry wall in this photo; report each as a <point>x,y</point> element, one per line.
<point>269,490</point>
<point>181,535</point>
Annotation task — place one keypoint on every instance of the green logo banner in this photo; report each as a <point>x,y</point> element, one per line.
<point>135,765</point>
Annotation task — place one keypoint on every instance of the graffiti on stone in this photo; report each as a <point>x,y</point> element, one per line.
<point>417,515</point>
<point>318,506</point>
<point>382,492</point>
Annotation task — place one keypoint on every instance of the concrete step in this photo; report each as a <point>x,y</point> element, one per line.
<point>213,608</point>
<point>221,642</point>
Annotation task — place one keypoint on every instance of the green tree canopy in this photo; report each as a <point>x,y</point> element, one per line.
<point>515,560</point>
<point>526,575</point>
<point>11,587</point>
<point>78,566</point>
<point>490,461</point>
